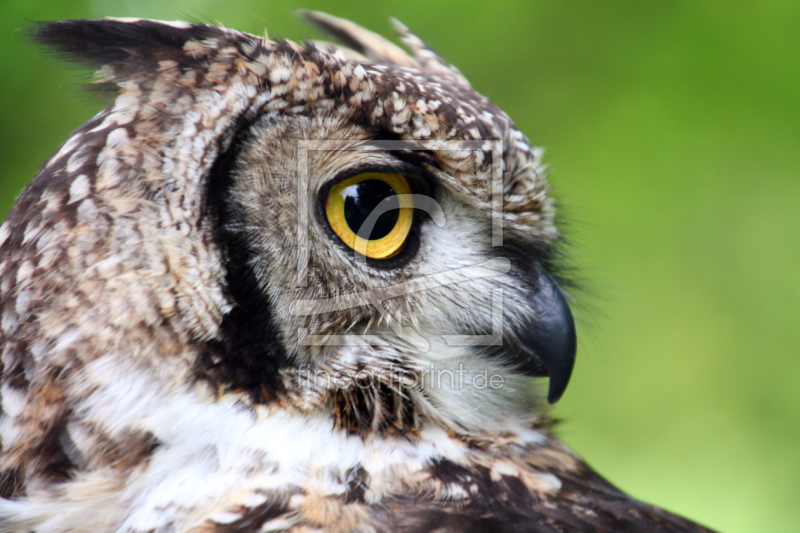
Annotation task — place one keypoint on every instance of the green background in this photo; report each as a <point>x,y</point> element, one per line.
<point>673,135</point>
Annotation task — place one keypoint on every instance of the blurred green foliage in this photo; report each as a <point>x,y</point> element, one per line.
<point>673,135</point>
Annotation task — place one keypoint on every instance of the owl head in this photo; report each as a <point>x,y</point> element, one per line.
<point>350,230</point>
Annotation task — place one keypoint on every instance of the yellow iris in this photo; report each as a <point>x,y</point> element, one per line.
<point>352,209</point>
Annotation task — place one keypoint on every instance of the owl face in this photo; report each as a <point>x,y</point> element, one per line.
<point>393,270</point>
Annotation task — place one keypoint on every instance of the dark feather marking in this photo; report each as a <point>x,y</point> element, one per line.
<point>250,354</point>
<point>12,483</point>
<point>357,483</point>
<point>50,457</point>
<point>585,503</point>
<point>370,406</point>
<point>253,519</point>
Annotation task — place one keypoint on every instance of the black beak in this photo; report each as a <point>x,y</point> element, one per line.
<point>547,344</point>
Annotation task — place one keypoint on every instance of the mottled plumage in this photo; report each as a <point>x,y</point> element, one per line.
<point>186,345</point>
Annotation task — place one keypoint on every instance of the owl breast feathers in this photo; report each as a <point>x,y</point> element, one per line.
<point>282,287</point>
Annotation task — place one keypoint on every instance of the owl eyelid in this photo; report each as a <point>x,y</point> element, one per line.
<point>420,180</point>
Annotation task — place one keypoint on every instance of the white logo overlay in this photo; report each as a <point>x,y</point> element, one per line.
<point>493,267</point>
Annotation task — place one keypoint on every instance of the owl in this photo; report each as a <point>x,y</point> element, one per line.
<point>287,288</point>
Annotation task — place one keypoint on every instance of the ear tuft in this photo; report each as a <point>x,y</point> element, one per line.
<point>374,47</point>
<point>130,47</point>
<point>429,61</point>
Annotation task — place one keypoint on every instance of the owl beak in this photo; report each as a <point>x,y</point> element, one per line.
<point>549,343</point>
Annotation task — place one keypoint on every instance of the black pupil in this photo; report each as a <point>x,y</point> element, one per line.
<point>362,199</point>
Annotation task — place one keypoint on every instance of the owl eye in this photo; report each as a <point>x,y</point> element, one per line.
<point>371,213</point>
